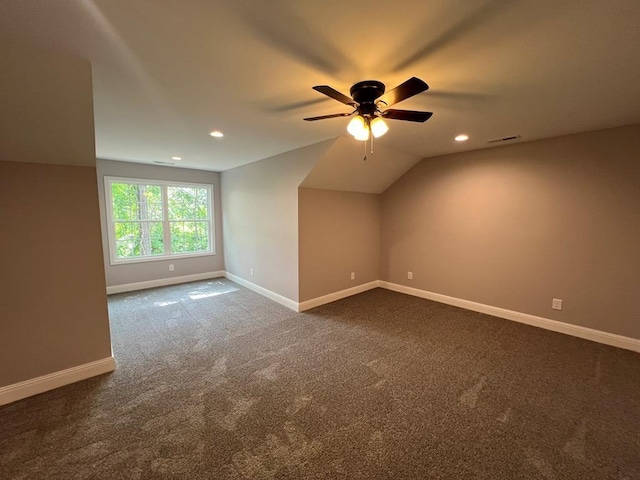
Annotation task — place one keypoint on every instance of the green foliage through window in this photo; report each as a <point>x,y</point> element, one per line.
<point>159,219</point>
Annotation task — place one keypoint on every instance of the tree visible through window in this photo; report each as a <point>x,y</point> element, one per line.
<point>188,217</point>
<point>152,219</point>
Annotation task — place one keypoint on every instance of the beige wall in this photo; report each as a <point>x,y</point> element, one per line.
<point>516,226</point>
<point>260,218</point>
<point>53,313</point>
<point>339,234</point>
<point>159,269</point>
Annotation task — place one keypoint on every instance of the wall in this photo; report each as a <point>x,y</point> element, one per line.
<point>260,218</point>
<point>54,309</point>
<point>516,226</point>
<point>53,313</point>
<point>159,269</point>
<point>339,234</point>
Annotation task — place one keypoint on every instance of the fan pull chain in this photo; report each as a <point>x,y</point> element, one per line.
<point>370,137</point>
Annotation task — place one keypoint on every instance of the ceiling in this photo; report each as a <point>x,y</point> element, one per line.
<point>342,166</point>
<point>166,72</point>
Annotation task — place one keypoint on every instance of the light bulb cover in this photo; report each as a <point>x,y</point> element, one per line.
<point>378,127</point>
<point>357,125</point>
<point>362,135</point>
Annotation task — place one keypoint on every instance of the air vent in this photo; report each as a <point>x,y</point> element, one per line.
<point>163,163</point>
<point>505,139</point>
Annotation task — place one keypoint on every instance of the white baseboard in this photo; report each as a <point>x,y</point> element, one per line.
<point>28,388</point>
<point>162,282</point>
<point>541,322</point>
<point>263,291</point>
<point>332,297</point>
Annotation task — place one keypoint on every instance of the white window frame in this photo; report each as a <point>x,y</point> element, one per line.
<point>114,260</point>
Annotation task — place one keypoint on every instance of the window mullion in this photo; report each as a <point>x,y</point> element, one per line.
<point>166,225</point>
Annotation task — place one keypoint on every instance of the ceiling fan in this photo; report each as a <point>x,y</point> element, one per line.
<point>369,101</point>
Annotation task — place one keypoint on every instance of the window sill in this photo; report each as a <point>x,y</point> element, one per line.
<point>158,258</point>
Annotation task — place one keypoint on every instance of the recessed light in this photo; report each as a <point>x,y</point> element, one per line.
<point>462,138</point>
<point>176,158</point>
<point>217,134</point>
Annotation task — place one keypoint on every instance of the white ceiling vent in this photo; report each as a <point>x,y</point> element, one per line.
<point>163,163</point>
<point>512,138</point>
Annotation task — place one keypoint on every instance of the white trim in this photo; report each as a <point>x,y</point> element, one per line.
<point>332,297</point>
<point>163,258</point>
<point>28,388</point>
<point>264,292</point>
<point>612,339</point>
<point>606,338</point>
<point>162,282</point>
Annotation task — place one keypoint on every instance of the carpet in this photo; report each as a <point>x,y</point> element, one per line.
<point>216,382</point>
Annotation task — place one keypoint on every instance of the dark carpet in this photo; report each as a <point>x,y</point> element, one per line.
<point>217,382</point>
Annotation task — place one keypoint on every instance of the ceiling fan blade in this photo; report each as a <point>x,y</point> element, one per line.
<point>408,115</point>
<point>322,117</point>
<point>336,95</point>
<point>411,87</point>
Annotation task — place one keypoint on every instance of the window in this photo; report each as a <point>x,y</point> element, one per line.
<point>153,219</point>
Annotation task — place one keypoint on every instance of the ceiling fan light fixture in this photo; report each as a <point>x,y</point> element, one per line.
<point>362,136</point>
<point>358,126</point>
<point>378,127</point>
<point>365,100</point>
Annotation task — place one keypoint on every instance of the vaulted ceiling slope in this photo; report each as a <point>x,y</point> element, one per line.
<point>166,73</point>
<point>351,167</point>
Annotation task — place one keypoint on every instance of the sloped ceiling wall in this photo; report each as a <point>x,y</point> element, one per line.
<point>342,167</point>
<point>47,107</point>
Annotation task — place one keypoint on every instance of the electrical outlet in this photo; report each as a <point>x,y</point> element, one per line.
<point>251,272</point>
<point>171,267</point>
<point>556,304</point>
<point>353,275</point>
<point>410,275</point>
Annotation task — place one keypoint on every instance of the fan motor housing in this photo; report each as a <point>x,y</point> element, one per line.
<point>367,91</point>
